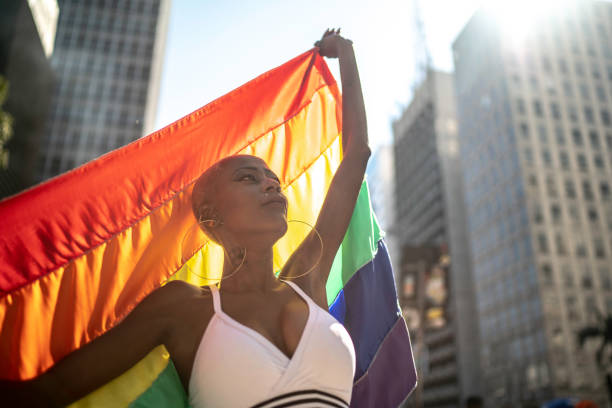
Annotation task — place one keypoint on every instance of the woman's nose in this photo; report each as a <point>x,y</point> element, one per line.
<point>272,185</point>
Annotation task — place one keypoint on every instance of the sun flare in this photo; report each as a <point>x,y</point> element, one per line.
<point>516,19</point>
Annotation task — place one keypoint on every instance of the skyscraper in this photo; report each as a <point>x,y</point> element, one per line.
<point>431,228</point>
<point>535,136</point>
<point>108,59</point>
<point>27,31</point>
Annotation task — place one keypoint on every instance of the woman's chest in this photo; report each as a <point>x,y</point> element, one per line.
<point>281,322</point>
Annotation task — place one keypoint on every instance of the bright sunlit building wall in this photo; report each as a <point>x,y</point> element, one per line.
<point>108,58</point>
<point>535,132</point>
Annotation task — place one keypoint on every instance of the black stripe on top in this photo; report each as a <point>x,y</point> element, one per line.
<point>304,398</point>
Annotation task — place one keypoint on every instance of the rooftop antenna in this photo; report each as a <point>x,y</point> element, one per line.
<point>421,50</point>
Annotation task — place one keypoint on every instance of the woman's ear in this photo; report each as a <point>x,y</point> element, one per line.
<point>207,217</point>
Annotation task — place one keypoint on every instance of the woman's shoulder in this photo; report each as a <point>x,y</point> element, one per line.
<point>181,297</point>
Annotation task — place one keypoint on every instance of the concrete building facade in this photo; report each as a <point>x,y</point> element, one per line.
<point>430,214</point>
<point>108,59</point>
<point>535,137</point>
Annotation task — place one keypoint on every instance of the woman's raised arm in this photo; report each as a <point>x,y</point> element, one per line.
<point>339,203</point>
<point>104,358</point>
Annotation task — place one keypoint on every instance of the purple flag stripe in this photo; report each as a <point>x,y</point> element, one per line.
<point>391,376</point>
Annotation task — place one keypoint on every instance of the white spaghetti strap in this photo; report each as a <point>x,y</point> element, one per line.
<point>216,298</point>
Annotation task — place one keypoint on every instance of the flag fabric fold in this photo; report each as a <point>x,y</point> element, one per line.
<point>80,251</point>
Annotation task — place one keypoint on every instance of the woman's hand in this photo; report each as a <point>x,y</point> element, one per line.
<point>331,43</point>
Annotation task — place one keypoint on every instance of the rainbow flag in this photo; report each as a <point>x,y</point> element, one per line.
<point>78,252</point>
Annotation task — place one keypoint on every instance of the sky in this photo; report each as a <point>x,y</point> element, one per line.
<point>215,46</point>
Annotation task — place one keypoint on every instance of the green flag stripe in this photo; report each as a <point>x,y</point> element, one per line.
<point>358,247</point>
<point>166,391</point>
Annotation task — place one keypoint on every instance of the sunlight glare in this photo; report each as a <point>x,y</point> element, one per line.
<point>516,19</point>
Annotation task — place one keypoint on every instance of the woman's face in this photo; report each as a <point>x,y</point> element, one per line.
<point>249,200</point>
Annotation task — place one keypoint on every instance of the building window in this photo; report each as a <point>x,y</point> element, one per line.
<point>556,112</point>
<point>533,180</point>
<point>520,106</point>
<point>537,215</point>
<point>584,91</point>
<point>604,190</point>
<point>577,137</point>
<point>605,117</point>
<point>592,214</point>
<point>591,49</point>
<point>605,278</point>
<point>600,251</point>
<point>587,281</point>
<point>560,136</point>
<point>528,157</point>
<point>579,69</point>
<point>588,115</point>
<point>568,276</point>
<point>574,214</point>
<point>601,93</point>
<point>582,162</point>
<point>555,212</point>
<point>587,191</point>
<point>547,275</point>
<point>561,250</point>
<point>599,163</point>
<point>594,138</point>
<point>581,251</point>
<point>567,88</point>
<point>543,134</point>
<point>570,190</point>
<point>564,159</point>
<point>572,309</point>
<point>543,243</point>
<point>524,130</point>
<point>537,108</point>
<point>572,113</point>
<point>563,66</point>
<point>551,186</point>
<point>546,158</point>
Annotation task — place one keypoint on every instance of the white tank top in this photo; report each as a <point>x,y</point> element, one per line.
<point>235,366</point>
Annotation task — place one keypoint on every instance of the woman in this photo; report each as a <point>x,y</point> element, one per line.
<point>257,339</point>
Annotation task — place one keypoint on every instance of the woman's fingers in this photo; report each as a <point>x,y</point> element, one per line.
<point>328,32</point>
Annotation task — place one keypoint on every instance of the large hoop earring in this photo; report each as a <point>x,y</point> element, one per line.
<point>184,260</point>
<point>320,254</point>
